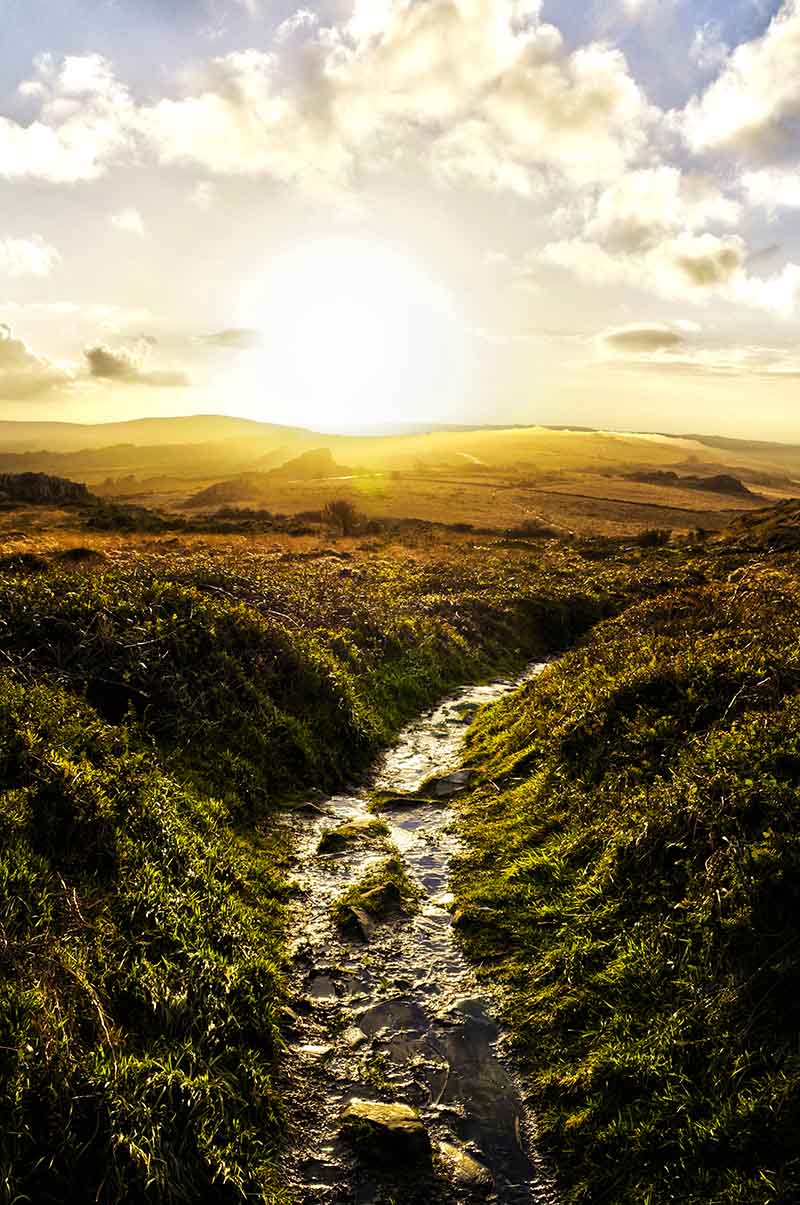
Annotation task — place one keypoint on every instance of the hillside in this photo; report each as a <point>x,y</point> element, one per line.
<point>316,464</point>
<point>142,432</point>
<point>39,488</point>
<point>631,880</point>
<point>717,483</point>
<point>773,528</point>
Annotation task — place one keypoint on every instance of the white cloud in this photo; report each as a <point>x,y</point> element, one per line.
<point>129,221</point>
<point>708,50</point>
<point>301,20</point>
<point>84,122</point>
<point>477,90</point>
<point>27,257</point>
<point>676,347</point>
<point>23,374</point>
<point>643,206</point>
<point>692,267</point>
<point>752,104</point>
<point>481,89</point>
<point>773,188</point>
<point>685,357</point>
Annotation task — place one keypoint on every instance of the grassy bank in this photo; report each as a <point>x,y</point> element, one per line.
<point>632,879</point>
<point>154,710</point>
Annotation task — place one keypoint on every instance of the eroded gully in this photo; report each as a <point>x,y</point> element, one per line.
<point>400,1017</point>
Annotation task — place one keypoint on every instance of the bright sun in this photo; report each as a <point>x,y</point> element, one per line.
<point>353,332</point>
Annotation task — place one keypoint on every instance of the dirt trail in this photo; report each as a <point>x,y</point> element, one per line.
<point>400,1017</point>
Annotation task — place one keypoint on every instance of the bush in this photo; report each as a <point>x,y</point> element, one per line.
<point>653,537</point>
<point>342,515</point>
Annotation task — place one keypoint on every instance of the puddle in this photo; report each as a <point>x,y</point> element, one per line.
<point>401,1017</point>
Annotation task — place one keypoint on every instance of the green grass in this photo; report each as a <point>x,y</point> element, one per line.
<point>154,708</point>
<point>140,982</point>
<point>384,890</point>
<point>632,880</point>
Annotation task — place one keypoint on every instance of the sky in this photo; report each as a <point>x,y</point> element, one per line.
<point>360,212</point>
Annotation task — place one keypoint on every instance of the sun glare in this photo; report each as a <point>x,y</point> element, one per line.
<point>352,331</point>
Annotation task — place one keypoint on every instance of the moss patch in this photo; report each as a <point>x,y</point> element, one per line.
<point>385,890</point>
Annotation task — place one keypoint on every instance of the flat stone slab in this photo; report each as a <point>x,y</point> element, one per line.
<point>451,784</point>
<point>361,828</point>
<point>465,1171</point>
<point>389,1134</point>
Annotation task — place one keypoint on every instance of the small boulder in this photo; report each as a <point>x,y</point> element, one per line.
<point>465,1172</point>
<point>386,1134</point>
<point>355,922</point>
<point>451,784</point>
<point>322,987</point>
<point>365,828</point>
<point>383,900</point>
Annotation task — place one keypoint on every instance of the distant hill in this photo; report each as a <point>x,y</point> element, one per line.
<point>192,429</point>
<point>319,462</point>
<point>245,488</point>
<point>719,483</point>
<point>42,489</point>
<point>204,448</point>
<point>316,464</point>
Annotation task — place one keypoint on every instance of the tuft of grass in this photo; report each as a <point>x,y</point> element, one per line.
<point>384,890</point>
<point>632,880</point>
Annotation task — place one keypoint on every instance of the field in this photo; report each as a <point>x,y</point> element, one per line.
<point>629,882</point>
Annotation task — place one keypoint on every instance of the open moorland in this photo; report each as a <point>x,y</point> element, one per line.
<point>181,691</point>
<point>582,482</point>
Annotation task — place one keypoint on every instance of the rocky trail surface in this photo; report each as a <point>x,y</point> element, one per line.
<point>401,1091</point>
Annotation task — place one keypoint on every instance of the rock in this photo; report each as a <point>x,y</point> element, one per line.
<point>306,808</point>
<point>354,1037</point>
<point>465,1172</point>
<point>361,828</point>
<point>381,901</point>
<point>386,1133</point>
<point>322,988</point>
<point>398,802</point>
<point>40,488</point>
<point>355,922</point>
<point>462,919</point>
<point>451,784</point>
<point>313,1052</point>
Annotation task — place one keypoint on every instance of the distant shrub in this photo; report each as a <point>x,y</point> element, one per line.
<point>341,514</point>
<point>654,537</point>
<point>80,555</point>
<point>22,562</point>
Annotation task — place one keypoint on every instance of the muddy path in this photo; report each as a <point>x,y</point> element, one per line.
<point>392,1012</point>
